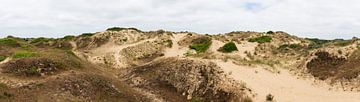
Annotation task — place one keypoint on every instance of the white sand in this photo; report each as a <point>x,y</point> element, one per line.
<point>284,86</point>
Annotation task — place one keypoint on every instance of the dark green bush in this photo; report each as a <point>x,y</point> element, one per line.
<point>261,39</point>
<point>87,34</point>
<point>68,37</point>
<point>9,42</point>
<point>2,58</point>
<point>317,43</point>
<point>41,39</point>
<point>120,29</point>
<point>270,32</point>
<point>228,47</point>
<point>200,44</point>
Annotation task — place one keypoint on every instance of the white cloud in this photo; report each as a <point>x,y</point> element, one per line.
<point>56,18</point>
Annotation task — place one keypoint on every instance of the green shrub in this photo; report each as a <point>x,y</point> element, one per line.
<point>317,43</point>
<point>343,43</point>
<point>9,42</point>
<point>262,39</point>
<point>120,29</point>
<point>68,37</point>
<point>228,47</point>
<point>270,32</point>
<point>24,54</point>
<point>87,34</point>
<point>200,44</point>
<point>2,58</point>
<point>41,39</point>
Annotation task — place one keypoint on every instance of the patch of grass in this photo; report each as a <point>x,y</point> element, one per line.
<point>2,58</point>
<point>24,54</point>
<point>200,45</point>
<point>120,29</point>
<point>317,43</point>
<point>41,39</point>
<point>291,46</point>
<point>9,42</point>
<point>342,43</point>
<point>87,34</point>
<point>68,37</point>
<point>228,47</point>
<point>270,32</point>
<point>261,39</point>
<point>33,71</point>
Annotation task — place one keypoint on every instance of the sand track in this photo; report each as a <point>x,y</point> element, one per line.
<point>284,86</point>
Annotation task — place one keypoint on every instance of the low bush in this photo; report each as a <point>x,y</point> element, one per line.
<point>270,32</point>
<point>228,47</point>
<point>68,37</point>
<point>41,39</point>
<point>9,42</point>
<point>261,39</point>
<point>200,44</point>
<point>87,34</point>
<point>2,58</point>
<point>120,29</point>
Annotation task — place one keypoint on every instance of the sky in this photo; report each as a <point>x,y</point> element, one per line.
<point>326,19</point>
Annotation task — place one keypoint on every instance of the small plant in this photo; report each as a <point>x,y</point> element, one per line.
<point>24,54</point>
<point>120,29</point>
<point>33,71</point>
<point>2,58</point>
<point>228,47</point>
<point>9,42</point>
<point>262,39</point>
<point>200,44</point>
<point>269,97</point>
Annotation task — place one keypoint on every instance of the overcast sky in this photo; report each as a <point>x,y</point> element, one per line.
<point>305,18</point>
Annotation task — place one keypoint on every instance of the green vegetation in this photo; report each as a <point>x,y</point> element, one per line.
<point>87,34</point>
<point>262,39</point>
<point>33,71</point>
<point>120,29</point>
<point>270,32</point>
<point>2,58</point>
<point>24,54</point>
<point>342,42</point>
<point>200,44</point>
<point>291,46</point>
<point>317,43</point>
<point>41,39</point>
<point>228,47</point>
<point>68,37</point>
<point>9,42</point>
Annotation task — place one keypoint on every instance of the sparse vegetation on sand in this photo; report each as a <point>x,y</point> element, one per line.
<point>2,58</point>
<point>228,47</point>
<point>9,42</point>
<point>200,44</point>
<point>261,39</point>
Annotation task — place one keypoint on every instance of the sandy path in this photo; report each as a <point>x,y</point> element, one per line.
<point>284,86</point>
<point>176,50</point>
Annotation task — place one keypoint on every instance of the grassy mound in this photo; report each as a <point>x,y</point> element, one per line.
<point>200,44</point>
<point>228,47</point>
<point>261,39</point>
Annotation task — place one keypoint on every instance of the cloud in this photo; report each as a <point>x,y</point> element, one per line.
<point>56,18</point>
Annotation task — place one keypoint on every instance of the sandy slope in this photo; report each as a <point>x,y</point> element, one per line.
<point>176,50</point>
<point>284,86</point>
